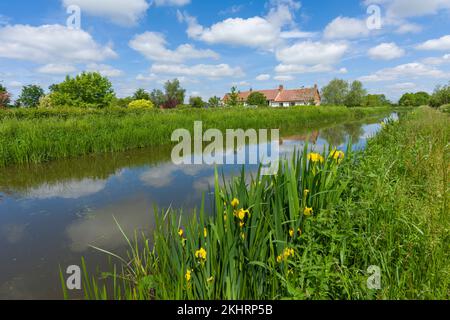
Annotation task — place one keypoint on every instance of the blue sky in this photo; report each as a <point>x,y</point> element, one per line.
<point>399,46</point>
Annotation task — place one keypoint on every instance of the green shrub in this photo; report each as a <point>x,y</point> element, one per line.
<point>445,108</point>
<point>141,104</point>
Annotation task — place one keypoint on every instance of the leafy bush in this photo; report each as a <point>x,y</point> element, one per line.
<point>30,96</point>
<point>87,90</point>
<point>415,99</point>
<point>441,96</point>
<point>445,108</point>
<point>141,104</point>
<point>196,102</point>
<point>257,99</point>
<point>5,97</point>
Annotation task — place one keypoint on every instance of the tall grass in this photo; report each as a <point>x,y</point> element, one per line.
<point>386,206</point>
<point>34,136</point>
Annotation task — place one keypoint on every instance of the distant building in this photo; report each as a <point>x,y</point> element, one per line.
<point>285,98</point>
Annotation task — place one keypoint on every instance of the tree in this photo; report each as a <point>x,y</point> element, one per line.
<point>415,99</point>
<point>5,97</point>
<point>441,96</point>
<point>355,96</point>
<point>257,99</point>
<point>30,96</point>
<point>376,100</point>
<point>335,92</point>
<point>141,94</point>
<point>196,102</point>
<point>175,94</point>
<point>86,90</point>
<point>214,102</point>
<point>158,98</point>
<point>233,97</point>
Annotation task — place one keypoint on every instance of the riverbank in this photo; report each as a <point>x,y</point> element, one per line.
<point>36,135</point>
<point>313,231</point>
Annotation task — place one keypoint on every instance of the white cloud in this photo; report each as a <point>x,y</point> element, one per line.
<point>437,60</point>
<point>346,28</point>
<point>386,51</point>
<point>403,86</point>
<point>405,71</point>
<point>415,8</point>
<point>284,78</point>
<point>442,43</point>
<point>312,53</point>
<point>200,70</point>
<point>172,3</point>
<point>15,84</point>
<point>263,77</point>
<point>257,32</point>
<point>51,44</point>
<point>53,68</point>
<point>298,69</point>
<point>153,46</point>
<point>123,12</point>
<point>105,70</point>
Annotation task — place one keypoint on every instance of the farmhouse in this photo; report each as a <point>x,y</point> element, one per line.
<point>285,98</point>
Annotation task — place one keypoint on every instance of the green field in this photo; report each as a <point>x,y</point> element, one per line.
<point>312,231</point>
<point>40,135</point>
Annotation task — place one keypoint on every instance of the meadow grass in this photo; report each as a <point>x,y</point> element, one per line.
<point>40,135</point>
<point>310,232</point>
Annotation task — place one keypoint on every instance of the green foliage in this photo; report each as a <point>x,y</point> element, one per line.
<point>257,99</point>
<point>174,94</point>
<point>158,98</point>
<point>364,213</point>
<point>415,99</point>
<point>141,94</point>
<point>355,96</point>
<point>233,97</point>
<point>376,100</point>
<point>196,102</point>
<point>87,90</point>
<point>335,93</point>
<point>30,96</point>
<point>141,104</point>
<point>441,96</point>
<point>214,102</point>
<point>39,135</point>
<point>121,102</point>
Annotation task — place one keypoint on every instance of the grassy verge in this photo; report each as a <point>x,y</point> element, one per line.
<point>34,136</point>
<point>312,231</point>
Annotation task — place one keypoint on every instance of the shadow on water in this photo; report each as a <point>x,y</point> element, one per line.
<point>51,213</point>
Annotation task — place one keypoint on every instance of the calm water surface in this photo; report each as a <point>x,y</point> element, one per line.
<point>50,214</point>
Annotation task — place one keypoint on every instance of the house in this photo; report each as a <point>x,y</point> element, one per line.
<point>282,97</point>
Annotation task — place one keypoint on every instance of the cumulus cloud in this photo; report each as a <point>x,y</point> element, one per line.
<point>437,60</point>
<point>405,71</point>
<point>263,77</point>
<point>153,46</point>
<point>53,68</point>
<point>442,43</point>
<point>414,8</point>
<point>386,51</point>
<point>284,78</point>
<point>104,69</point>
<point>200,70</point>
<point>257,32</point>
<point>346,28</point>
<point>174,3</point>
<point>118,11</point>
<point>51,44</point>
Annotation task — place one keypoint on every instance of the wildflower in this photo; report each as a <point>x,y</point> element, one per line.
<point>205,232</point>
<point>337,155</point>
<point>287,253</point>
<point>243,236</point>
<point>315,157</point>
<point>306,192</point>
<point>242,224</point>
<point>291,233</point>
<point>299,232</point>
<point>308,211</point>
<point>210,279</point>
<point>181,232</point>
<point>235,203</point>
<point>188,275</point>
<point>225,217</point>
<point>201,255</point>
<point>242,214</point>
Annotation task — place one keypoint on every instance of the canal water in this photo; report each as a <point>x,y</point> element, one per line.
<point>50,214</point>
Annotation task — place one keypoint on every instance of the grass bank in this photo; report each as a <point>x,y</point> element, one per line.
<point>312,231</point>
<point>34,136</point>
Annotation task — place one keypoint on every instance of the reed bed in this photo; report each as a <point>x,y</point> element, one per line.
<point>310,232</point>
<point>35,136</point>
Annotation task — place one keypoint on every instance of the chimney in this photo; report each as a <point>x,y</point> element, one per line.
<point>281,87</point>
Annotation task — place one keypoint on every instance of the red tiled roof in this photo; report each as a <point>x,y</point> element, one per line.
<point>282,95</point>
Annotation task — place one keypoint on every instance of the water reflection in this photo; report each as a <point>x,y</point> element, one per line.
<point>50,214</point>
